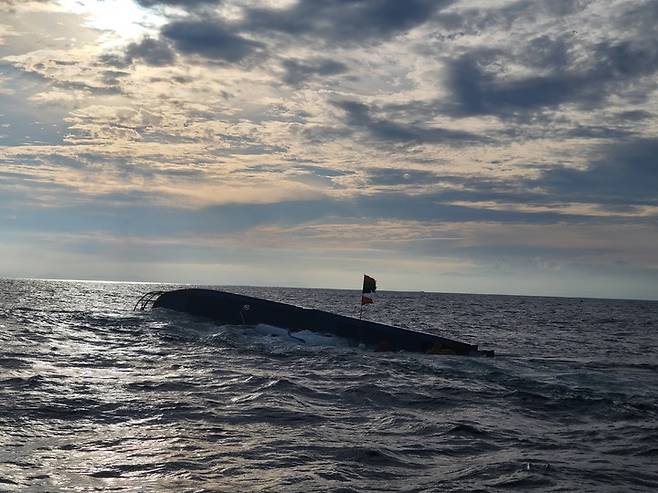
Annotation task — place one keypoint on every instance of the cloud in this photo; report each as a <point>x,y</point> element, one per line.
<point>114,60</point>
<point>298,124</point>
<point>634,115</point>
<point>299,71</point>
<point>624,174</point>
<point>338,21</point>
<point>151,51</point>
<point>210,38</point>
<point>332,21</point>
<point>113,77</point>
<point>137,213</point>
<point>18,107</point>
<point>177,3</point>
<point>620,176</point>
<point>532,73</point>
<point>12,3</point>
<point>478,91</point>
<point>359,117</point>
<point>401,176</point>
<point>491,16</point>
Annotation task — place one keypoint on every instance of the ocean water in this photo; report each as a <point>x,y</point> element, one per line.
<point>97,397</point>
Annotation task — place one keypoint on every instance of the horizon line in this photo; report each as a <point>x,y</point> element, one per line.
<point>104,281</point>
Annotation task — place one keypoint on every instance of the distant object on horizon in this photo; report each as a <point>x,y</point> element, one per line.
<point>235,309</point>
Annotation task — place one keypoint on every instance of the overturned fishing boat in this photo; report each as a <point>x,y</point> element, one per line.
<point>235,309</point>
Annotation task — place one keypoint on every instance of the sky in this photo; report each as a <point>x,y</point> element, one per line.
<point>478,146</point>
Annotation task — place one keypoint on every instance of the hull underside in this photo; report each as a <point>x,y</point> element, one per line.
<point>234,309</point>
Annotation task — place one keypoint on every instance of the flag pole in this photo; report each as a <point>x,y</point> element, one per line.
<point>361,310</point>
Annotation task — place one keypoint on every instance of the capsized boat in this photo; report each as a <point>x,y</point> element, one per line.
<point>236,309</point>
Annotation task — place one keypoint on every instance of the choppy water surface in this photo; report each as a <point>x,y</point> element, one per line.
<point>94,396</point>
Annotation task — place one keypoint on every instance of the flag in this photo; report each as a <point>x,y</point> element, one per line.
<point>369,288</point>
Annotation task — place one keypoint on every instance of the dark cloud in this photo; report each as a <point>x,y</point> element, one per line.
<point>625,59</point>
<point>318,134</point>
<point>640,16</point>
<point>344,21</point>
<point>593,132</point>
<point>626,173</point>
<point>477,88</point>
<point>359,117</point>
<point>210,38</point>
<point>151,51</point>
<point>476,91</point>
<point>115,60</point>
<point>331,21</point>
<point>634,115</point>
<point>113,77</point>
<point>399,176</point>
<point>562,8</point>
<point>620,177</point>
<point>299,71</point>
<point>567,67</point>
<point>475,21</point>
<point>431,207</point>
<point>546,52</point>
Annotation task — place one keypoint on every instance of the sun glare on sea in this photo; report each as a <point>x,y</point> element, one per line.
<point>123,19</point>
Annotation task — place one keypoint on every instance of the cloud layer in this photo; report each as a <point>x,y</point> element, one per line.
<point>470,139</point>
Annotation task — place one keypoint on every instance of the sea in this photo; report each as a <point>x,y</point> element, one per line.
<point>95,396</point>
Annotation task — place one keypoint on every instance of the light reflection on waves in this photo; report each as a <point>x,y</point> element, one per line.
<point>102,397</point>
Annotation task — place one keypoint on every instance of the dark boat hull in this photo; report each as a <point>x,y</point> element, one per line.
<point>234,309</point>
